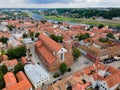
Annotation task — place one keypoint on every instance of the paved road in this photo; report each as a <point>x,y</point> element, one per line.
<point>115,64</point>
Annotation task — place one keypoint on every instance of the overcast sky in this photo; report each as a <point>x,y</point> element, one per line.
<point>58,3</point>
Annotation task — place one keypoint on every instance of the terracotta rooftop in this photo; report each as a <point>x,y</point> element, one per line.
<point>113,79</point>
<point>10,63</point>
<point>11,83</point>
<point>50,43</point>
<point>24,60</point>
<point>48,56</point>
<point>21,76</point>
<point>9,79</point>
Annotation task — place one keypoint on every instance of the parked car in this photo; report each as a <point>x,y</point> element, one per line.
<point>110,60</point>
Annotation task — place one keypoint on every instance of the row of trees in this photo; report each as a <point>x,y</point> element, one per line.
<point>31,34</point>
<point>108,13</point>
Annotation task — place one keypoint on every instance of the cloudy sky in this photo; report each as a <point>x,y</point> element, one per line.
<point>58,3</point>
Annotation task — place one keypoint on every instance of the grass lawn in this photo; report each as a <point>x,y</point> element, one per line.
<point>84,21</point>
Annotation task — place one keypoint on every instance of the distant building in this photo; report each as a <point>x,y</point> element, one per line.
<point>98,50</point>
<point>12,84</point>
<point>10,64</point>
<point>37,75</point>
<point>27,42</point>
<point>53,54</point>
<point>116,18</point>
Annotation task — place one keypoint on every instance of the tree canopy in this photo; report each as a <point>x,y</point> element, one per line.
<point>100,26</point>
<point>63,68</point>
<point>107,13</point>
<point>18,67</point>
<point>76,53</point>
<point>11,27</point>
<point>17,52</point>
<point>1,76</point>
<point>31,34</point>
<point>104,40</point>
<point>37,34</point>
<point>110,35</point>
<point>83,36</point>
<point>25,35</point>
<point>4,69</point>
<point>58,39</point>
<point>3,39</point>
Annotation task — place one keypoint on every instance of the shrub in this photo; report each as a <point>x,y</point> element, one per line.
<point>69,69</point>
<point>56,75</point>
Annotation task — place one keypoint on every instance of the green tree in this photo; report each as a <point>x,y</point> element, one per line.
<point>82,37</point>
<point>37,34</point>
<point>31,34</point>
<point>104,40</point>
<point>25,35</point>
<point>19,67</point>
<point>100,26</point>
<point>3,39</point>
<point>87,35</point>
<point>17,52</point>
<point>56,38</point>
<point>63,68</point>
<point>110,35</point>
<point>4,69</point>
<point>56,75</point>
<point>60,39</point>
<point>76,53</point>
<point>10,27</point>
<point>52,36</point>
<point>1,76</point>
<point>43,21</point>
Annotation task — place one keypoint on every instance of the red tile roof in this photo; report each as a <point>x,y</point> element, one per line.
<point>49,58</point>
<point>113,80</point>
<point>23,83</point>
<point>21,76</point>
<point>10,63</point>
<point>9,79</point>
<point>53,45</point>
<point>24,60</point>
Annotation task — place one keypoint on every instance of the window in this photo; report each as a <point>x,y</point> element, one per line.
<point>61,56</point>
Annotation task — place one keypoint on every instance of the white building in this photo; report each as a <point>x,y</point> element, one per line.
<point>28,42</point>
<point>37,75</point>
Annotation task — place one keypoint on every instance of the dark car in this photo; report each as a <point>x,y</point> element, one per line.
<point>110,60</point>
